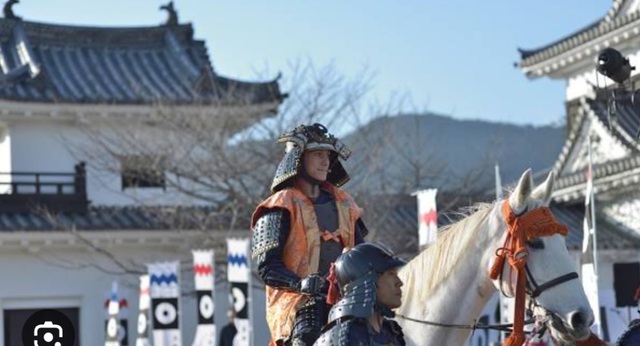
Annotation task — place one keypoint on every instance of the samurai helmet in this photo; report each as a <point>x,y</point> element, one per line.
<point>305,138</point>
<point>356,271</point>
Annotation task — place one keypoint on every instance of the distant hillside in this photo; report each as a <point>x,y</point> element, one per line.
<point>410,151</point>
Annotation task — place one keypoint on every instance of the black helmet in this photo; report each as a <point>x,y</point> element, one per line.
<point>631,336</point>
<point>356,272</point>
<point>309,137</point>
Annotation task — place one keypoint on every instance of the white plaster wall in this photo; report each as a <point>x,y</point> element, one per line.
<point>606,148</point>
<point>55,146</point>
<point>37,147</point>
<point>40,280</point>
<point>580,85</point>
<point>5,158</point>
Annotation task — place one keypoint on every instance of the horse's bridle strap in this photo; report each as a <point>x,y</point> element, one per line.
<point>521,229</point>
<point>537,290</point>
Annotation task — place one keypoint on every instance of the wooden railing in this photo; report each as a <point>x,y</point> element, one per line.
<point>53,192</point>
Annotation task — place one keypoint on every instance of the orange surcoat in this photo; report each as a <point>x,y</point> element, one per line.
<point>301,253</point>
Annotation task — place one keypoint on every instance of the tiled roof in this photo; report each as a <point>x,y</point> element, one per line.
<point>625,123</point>
<point>397,228</point>
<point>599,28</point>
<point>623,128</point>
<point>139,65</point>
<point>118,218</point>
<point>599,171</point>
<point>609,236</point>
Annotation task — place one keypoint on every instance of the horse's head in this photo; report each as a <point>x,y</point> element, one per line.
<point>552,287</point>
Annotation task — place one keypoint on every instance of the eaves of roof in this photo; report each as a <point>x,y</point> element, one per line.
<point>599,28</point>
<point>162,65</point>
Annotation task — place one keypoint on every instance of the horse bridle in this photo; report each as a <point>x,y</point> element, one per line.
<point>532,289</point>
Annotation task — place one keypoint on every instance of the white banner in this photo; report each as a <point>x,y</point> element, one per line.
<point>113,320</point>
<point>143,314</point>
<point>165,303</point>
<point>427,216</point>
<point>588,258</point>
<point>238,274</point>
<point>203,275</point>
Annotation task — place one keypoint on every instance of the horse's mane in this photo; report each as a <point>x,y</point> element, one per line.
<point>431,266</point>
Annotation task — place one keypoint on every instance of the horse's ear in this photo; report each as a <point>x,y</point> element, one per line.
<point>520,195</point>
<point>545,190</point>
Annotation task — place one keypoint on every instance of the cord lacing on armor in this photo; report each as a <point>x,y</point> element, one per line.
<point>334,292</point>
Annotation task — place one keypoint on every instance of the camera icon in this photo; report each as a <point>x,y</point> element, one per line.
<point>47,334</point>
<point>48,327</point>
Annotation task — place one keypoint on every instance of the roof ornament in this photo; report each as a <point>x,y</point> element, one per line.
<point>173,15</point>
<point>8,11</point>
<point>613,65</point>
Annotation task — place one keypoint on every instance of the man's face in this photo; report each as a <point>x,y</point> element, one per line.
<point>316,163</point>
<point>388,289</point>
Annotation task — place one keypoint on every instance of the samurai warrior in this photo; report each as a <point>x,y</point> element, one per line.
<point>300,229</point>
<point>367,277</point>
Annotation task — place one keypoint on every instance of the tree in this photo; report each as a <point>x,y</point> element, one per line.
<point>217,161</point>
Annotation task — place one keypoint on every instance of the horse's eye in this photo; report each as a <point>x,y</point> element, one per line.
<point>536,244</point>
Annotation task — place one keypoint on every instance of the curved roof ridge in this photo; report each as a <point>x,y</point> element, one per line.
<point>602,26</point>
<point>119,65</point>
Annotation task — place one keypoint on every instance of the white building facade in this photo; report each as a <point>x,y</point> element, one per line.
<point>68,228</point>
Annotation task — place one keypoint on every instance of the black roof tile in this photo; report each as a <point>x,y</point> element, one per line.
<point>626,121</point>
<point>599,28</point>
<point>141,65</point>
<point>599,171</point>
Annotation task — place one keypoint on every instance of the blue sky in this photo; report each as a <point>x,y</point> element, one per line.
<point>452,57</point>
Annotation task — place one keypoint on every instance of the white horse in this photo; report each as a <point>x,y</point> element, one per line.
<point>449,282</point>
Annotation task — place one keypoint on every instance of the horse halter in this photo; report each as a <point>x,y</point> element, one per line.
<point>520,230</point>
<point>533,289</point>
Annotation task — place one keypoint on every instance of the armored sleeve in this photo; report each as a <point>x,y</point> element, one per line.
<point>361,232</point>
<point>267,243</point>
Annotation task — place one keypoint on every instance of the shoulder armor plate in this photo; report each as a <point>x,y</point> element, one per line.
<point>266,233</point>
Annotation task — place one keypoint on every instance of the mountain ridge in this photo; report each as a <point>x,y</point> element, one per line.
<point>413,151</point>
